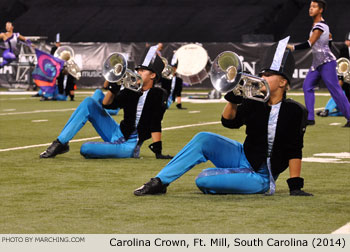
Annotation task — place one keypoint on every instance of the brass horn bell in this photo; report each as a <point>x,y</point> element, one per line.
<point>226,74</point>
<point>343,68</point>
<point>115,70</point>
<point>66,53</point>
<point>168,70</point>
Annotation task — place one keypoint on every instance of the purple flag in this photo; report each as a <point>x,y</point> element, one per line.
<point>46,71</point>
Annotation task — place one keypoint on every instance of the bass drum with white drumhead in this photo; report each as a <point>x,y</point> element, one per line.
<point>193,63</point>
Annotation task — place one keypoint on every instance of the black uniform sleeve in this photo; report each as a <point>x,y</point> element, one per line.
<point>296,130</point>
<point>118,101</point>
<point>159,107</point>
<point>113,87</point>
<point>241,111</point>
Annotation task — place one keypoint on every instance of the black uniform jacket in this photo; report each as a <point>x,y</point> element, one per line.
<point>289,136</point>
<point>344,52</point>
<point>178,87</point>
<point>152,113</point>
<point>69,85</point>
<point>166,85</point>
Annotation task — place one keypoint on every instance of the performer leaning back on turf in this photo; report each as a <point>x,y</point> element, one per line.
<point>143,113</point>
<point>275,131</point>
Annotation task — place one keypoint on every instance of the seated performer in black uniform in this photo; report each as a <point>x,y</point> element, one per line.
<point>143,113</point>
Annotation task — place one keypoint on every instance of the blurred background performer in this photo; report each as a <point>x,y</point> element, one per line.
<point>323,64</point>
<point>57,44</point>
<point>11,40</point>
<point>176,87</point>
<point>143,113</point>
<point>274,141</point>
<point>159,49</point>
<point>331,108</point>
<point>66,84</point>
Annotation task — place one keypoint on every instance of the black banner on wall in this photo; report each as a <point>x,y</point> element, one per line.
<point>90,56</point>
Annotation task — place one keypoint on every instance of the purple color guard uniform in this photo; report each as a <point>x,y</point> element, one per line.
<point>10,49</point>
<point>323,66</point>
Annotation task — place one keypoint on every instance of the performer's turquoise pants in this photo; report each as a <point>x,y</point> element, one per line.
<point>232,173</point>
<point>332,108</point>
<point>114,145</point>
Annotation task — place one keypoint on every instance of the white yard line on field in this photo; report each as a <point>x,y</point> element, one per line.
<point>43,120</point>
<point>93,138</point>
<point>343,230</point>
<point>37,111</point>
<point>334,158</point>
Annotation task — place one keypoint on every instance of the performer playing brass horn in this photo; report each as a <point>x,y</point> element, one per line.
<point>226,74</point>
<point>115,70</point>
<point>143,113</point>
<point>66,53</point>
<point>274,141</point>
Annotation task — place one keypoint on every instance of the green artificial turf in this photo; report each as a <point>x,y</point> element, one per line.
<point>70,194</point>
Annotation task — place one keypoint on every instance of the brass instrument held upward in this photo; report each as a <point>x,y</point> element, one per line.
<point>167,72</point>
<point>66,53</point>
<point>343,68</point>
<point>226,74</point>
<point>115,70</point>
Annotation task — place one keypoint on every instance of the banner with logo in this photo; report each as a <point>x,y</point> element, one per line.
<point>90,57</point>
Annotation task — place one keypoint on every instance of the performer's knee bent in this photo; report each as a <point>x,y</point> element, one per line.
<point>98,95</point>
<point>90,102</point>
<point>203,137</point>
<point>307,88</point>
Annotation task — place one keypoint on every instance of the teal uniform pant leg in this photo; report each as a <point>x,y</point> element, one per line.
<point>221,151</point>
<point>99,96</point>
<point>333,109</point>
<point>61,97</point>
<point>233,181</point>
<point>90,109</point>
<point>117,149</point>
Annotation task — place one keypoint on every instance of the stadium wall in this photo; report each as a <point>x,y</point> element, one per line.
<point>90,56</point>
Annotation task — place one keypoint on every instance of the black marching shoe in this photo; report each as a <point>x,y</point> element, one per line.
<point>347,125</point>
<point>154,186</point>
<point>310,122</point>
<point>323,113</point>
<point>179,106</point>
<point>54,149</point>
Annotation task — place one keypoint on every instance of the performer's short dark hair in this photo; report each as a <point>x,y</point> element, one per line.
<point>321,3</point>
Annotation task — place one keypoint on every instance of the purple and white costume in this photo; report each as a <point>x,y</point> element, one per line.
<point>323,66</point>
<point>10,49</point>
